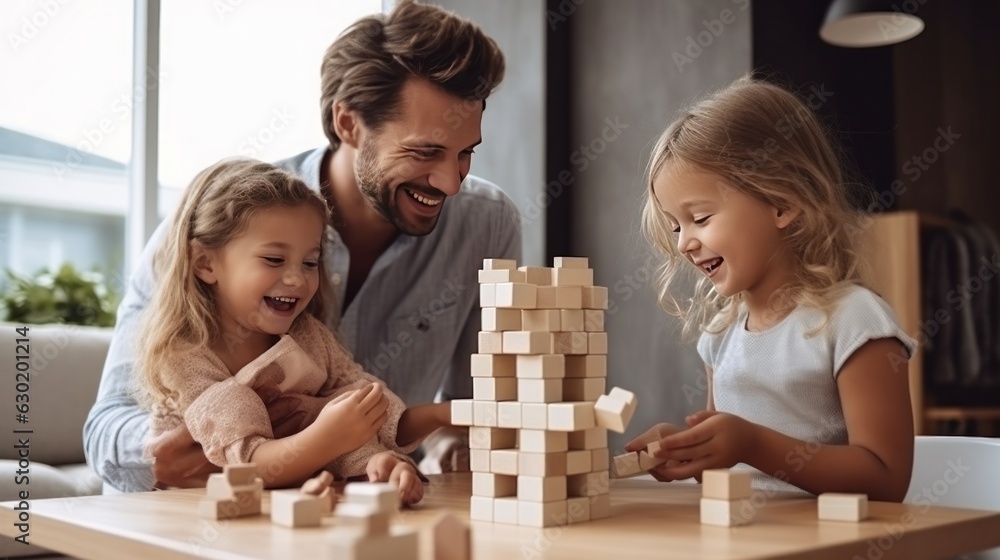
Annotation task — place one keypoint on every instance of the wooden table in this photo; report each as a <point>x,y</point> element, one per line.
<point>650,520</point>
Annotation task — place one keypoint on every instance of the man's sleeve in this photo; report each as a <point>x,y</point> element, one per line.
<point>117,426</point>
<point>505,243</point>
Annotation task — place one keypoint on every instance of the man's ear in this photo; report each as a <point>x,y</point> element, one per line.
<point>347,124</point>
<point>203,263</point>
<point>785,216</point>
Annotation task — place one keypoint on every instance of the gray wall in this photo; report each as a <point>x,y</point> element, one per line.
<point>624,70</point>
<point>513,150</point>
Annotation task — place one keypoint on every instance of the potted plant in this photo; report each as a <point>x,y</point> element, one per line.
<point>68,297</point>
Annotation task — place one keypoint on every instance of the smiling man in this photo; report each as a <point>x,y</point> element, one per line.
<point>402,101</point>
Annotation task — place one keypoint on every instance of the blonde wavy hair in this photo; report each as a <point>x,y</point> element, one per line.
<point>765,142</point>
<point>216,208</point>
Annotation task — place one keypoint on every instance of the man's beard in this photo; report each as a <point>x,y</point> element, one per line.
<point>380,194</point>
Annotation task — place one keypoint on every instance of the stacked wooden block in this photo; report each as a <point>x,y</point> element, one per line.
<point>538,455</point>
<point>725,498</point>
<point>364,529</point>
<point>235,492</point>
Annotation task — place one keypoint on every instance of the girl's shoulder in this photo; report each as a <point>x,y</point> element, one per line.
<point>855,301</point>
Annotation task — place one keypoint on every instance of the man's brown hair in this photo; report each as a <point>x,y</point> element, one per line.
<point>369,62</point>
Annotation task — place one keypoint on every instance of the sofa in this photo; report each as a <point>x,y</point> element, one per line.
<point>65,370</point>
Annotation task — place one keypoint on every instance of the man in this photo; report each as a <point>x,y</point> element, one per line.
<point>403,96</point>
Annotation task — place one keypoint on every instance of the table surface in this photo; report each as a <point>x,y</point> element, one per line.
<point>649,519</point>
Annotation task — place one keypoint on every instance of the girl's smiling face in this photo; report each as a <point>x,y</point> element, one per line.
<point>731,237</point>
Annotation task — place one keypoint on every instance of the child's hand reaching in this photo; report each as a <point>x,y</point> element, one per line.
<point>715,440</point>
<point>355,417</point>
<point>386,467</point>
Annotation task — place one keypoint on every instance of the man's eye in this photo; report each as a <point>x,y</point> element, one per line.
<point>425,154</point>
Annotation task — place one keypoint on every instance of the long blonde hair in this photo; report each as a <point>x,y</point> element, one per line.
<point>764,141</point>
<point>216,208</point>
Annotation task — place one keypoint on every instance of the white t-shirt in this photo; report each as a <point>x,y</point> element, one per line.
<point>785,381</point>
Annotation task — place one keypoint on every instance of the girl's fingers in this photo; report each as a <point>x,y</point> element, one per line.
<point>687,438</point>
<point>699,417</point>
<point>686,470</point>
<point>685,453</point>
<point>378,409</point>
<point>371,397</point>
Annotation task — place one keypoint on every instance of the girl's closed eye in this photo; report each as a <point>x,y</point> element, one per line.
<point>274,261</point>
<point>310,264</point>
<point>699,221</point>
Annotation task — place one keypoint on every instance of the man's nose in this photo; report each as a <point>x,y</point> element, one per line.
<point>447,177</point>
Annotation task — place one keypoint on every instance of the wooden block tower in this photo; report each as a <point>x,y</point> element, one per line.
<point>725,498</point>
<point>537,451</point>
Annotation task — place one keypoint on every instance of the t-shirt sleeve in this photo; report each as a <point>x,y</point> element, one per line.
<point>708,348</point>
<point>862,316</point>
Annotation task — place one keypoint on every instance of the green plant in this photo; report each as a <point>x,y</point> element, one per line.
<point>68,296</point>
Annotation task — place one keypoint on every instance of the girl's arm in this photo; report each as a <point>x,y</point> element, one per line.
<point>711,399</point>
<point>877,460</point>
<point>417,422</point>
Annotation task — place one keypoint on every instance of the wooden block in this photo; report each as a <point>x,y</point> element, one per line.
<point>505,510</point>
<point>587,366</point>
<point>347,544</point>
<point>537,275</point>
<point>452,538</point>
<point>571,262</point>
<point>570,343</point>
<point>600,459</point>
<point>571,416</point>
<point>833,506</point>
<point>495,388</point>
<point>218,488</point>
<point>594,297</point>
<point>505,461</point>
<point>573,277</point>
<point>540,320</point>
<point>535,416</point>
<point>542,464</point>
<point>590,484</point>
<point>481,508</point>
<point>493,365</point>
<point>233,508</point>
<point>509,414</point>
<point>542,441</point>
<point>499,319</point>
<point>484,413</point>
<point>499,276</point>
<point>626,465</point>
<point>614,411</point>
<point>647,461</point>
<point>542,514</point>
<point>479,460</point>
<point>600,506</point>
<point>583,388</point>
<point>292,508</point>
<point>541,488</point>
<point>578,509</point>
<point>724,484</point>
<point>327,501</point>
<point>578,461</point>
<point>492,438</point>
<point>593,320</point>
<point>726,513</point>
<point>541,366</point>
<point>597,342</point>
<point>487,295</point>
<point>493,485</point>
<point>592,438</point>
<point>380,496</point>
<point>241,474</point>
<point>559,297</point>
<point>539,390</point>
<point>499,264</point>
<point>318,484</point>
<point>526,342</point>
<point>461,412</point>
<point>517,295</point>
<point>490,342</point>
<point>571,320</point>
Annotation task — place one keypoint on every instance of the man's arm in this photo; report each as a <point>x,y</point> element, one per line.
<point>117,426</point>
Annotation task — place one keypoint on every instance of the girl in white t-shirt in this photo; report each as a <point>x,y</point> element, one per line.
<point>807,369</point>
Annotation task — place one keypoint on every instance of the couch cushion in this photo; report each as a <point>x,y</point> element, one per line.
<point>66,363</point>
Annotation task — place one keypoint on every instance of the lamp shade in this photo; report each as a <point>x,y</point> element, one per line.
<point>868,23</point>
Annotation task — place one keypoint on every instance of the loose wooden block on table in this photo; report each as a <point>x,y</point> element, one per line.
<point>540,366</point>
<point>726,513</point>
<point>725,484</point>
<point>240,474</point>
<point>493,365</point>
<point>452,538</point>
<point>346,544</point>
<point>292,508</point>
<point>380,496</point>
<point>833,506</point>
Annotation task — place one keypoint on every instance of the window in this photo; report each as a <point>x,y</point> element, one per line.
<point>235,78</point>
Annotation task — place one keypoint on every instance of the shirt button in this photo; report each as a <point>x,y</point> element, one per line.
<point>335,278</point>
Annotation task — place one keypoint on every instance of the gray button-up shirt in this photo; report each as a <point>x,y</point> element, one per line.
<point>413,323</point>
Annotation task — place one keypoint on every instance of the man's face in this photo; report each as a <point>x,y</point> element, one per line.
<point>410,166</point>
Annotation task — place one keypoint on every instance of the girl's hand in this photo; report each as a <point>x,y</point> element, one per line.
<point>715,440</point>
<point>386,467</point>
<point>655,433</point>
<point>355,417</point>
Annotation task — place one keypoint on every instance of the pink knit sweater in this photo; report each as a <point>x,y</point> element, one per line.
<point>228,414</point>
